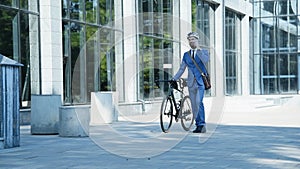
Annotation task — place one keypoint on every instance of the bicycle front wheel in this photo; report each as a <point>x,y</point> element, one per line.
<point>166,114</point>
<point>186,113</point>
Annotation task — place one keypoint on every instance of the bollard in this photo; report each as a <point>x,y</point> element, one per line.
<point>9,103</point>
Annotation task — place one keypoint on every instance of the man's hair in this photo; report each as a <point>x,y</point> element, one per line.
<point>193,34</point>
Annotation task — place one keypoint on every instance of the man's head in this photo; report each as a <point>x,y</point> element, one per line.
<point>193,38</point>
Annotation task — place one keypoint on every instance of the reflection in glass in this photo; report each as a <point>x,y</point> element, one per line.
<point>12,3</point>
<point>76,9</point>
<point>156,48</point>
<point>91,11</point>
<point>92,60</point>
<point>279,43</point>
<point>8,36</point>
<point>89,52</point>
<point>65,11</point>
<point>232,52</point>
<point>203,21</point>
<point>106,11</point>
<point>29,56</point>
<point>269,65</point>
<point>31,5</point>
<point>19,41</point>
<point>78,85</point>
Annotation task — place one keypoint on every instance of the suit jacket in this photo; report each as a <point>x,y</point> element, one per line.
<point>193,73</point>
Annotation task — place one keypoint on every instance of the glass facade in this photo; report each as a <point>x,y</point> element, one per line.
<point>90,37</point>
<point>277,46</point>
<point>89,48</point>
<point>232,58</point>
<point>157,45</point>
<point>19,39</point>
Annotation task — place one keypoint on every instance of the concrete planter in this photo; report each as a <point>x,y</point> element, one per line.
<point>104,107</point>
<point>45,114</point>
<point>74,121</point>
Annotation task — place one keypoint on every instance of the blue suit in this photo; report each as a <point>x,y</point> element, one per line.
<point>195,82</point>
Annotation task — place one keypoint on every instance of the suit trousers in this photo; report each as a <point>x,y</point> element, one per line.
<point>196,93</point>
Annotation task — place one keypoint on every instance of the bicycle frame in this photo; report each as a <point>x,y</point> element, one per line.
<point>171,95</point>
<point>182,107</point>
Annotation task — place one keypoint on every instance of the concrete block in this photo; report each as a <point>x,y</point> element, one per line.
<point>45,114</point>
<point>74,121</point>
<point>104,107</point>
<point>25,116</point>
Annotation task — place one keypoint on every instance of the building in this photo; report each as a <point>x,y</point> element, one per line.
<point>70,48</point>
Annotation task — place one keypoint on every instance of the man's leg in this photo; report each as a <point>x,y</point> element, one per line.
<point>194,97</point>
<point>200,118</point>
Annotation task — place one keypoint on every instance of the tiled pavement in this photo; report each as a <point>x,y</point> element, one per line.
<point>236,143</point>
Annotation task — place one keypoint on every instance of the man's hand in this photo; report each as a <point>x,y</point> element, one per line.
<point>173,84</point>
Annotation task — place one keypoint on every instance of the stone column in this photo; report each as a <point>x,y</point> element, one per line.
<point>130,52</point>
<point>119,50</point>
<point>46,101</point>
<point>219,49</point>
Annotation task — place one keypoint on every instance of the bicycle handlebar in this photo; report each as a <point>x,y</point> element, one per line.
<point>173,83</point>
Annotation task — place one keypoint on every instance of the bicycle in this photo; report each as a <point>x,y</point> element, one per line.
<point>183,107</point>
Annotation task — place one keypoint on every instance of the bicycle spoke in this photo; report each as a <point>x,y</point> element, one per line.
<point>186,114</point>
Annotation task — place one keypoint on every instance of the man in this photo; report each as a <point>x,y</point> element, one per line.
<point>194,81</point>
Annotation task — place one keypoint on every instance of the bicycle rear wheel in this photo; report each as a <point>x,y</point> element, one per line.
<point>166,114</point>
<point>186,113</point>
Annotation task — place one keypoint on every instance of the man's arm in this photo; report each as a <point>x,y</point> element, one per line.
<point>180,71</point>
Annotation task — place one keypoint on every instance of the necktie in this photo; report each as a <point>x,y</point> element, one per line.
<point>193,54</point>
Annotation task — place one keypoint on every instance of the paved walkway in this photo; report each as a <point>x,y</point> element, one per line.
<point>238,143</point>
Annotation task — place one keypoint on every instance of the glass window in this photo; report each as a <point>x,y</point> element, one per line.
<point>9,36</point>
<point>268,8</point>
<point>19,41</point>
<point>89,49</point>
<point>12,3</point>
<point>91,11</point>
<point>277,7</point>
<point>92,60</point>
<point>76,9</point>
<point>269,35</point>
<point>270,85</point>
<point>66,62</point>
<point>106,12</point>
<point>77,60</point>
<point>203,22</point>
<point>107,60</point>
<point>279,73</point>
<point>278,41</point>
<point>65,11</point>
<point>232,52</point>
<point>287,34</point>
<point>31,5</point>
<point>29,52</point>
<point>156,46</point>
<point>269,65</point>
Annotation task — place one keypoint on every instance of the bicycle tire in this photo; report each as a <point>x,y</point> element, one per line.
<point>186,113</point>
<point>166,114</point>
